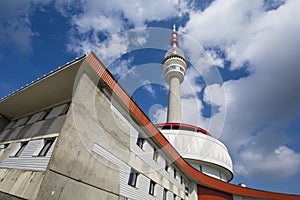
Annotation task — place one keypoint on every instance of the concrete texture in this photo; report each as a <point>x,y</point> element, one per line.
<point>20,183</point>
<point>174,105</point>
<point>74,170</point>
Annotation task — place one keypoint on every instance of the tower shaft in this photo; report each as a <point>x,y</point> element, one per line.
<point>174,67</point>
<point>174,104</point>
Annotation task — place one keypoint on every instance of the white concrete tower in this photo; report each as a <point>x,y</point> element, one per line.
<point>174,67</point>
<point>200,149</point>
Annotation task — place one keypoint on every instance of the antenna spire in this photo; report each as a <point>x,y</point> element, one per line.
<point>174,41</point>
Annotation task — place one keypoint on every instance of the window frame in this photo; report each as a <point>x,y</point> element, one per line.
<point>155,155</point>
<point>132,179</point>
<point>46,147</point>
<point>140,142</point>
<point>165,194</point>
<point>18,152</point>
<point>175,174</point>
<point>152,188</point>
<point>4,146</point>
<point>167,167</point>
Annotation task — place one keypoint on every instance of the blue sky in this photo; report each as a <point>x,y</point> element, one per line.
<point>243,79</point>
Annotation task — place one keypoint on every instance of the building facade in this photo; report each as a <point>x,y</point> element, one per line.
<point>76,134</point>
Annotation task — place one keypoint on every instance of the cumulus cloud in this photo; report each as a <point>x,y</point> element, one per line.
<point>259,106</point>
<point>110,17</point>
<point>282,159</point>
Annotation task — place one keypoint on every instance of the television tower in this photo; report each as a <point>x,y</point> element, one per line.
<point>174,67</point>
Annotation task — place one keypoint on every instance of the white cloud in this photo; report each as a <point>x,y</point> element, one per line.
<point>158,114</point>
<point>122,68</point>
<point>282,162</point>
<point>111,17</point>
<point>215,95</point>
<point>148,87</point>
<point>260,106</point>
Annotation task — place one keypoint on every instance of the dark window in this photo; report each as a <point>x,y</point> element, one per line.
<point>200,168</point>
<point>152,187</point>
<point>175,173</point>
<point>48,143</point>
<point>140,142</point>
<point>186,190</point>
<point>155,155</point>
<point>181,180</point>
<point>167,166</point>
<point>165,192</point>
<point>174,196</point>
<point>21,148</point>
<point>133,178</point>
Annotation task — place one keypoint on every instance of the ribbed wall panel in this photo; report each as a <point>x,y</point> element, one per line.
<point>146,154</point>
<point>27,160</point>
<point>141,191</point>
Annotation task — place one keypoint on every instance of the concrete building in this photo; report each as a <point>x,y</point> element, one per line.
<point>76,134</point>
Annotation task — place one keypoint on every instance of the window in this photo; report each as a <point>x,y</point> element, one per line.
<point>47,144</point>
<point>167,165</point>
<point>175,173</point>
<point>200,168</point>
<point>155,155</point>
<point>140,142</point>
<point>174,196</point>
<point>165,193</point>
<point>152,187</point>
<point>3,146</point>
<point>133,177</point>
<point>181,180</point>
<point>186,189</point>
<point>22,146</point>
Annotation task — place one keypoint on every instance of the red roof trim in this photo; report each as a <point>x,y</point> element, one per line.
<point>205,180</point>
<point>195,128</point>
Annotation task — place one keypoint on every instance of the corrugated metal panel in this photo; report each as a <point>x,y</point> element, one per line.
<point>10,125</point>
<point>21,121</point>
<point>142,189</point>
<point>38,128</point>
<point>146,154</point>
<point>27,160</point>
<point>56,111</point>
<point>36,117</point>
